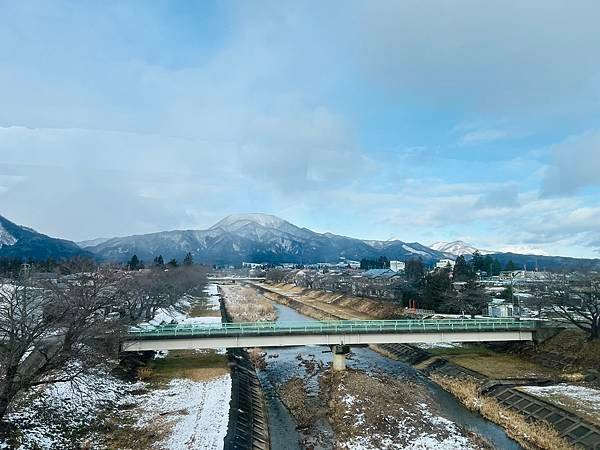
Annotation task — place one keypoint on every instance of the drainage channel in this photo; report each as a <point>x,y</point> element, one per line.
<point>248,426</point>
<point>248,420</point>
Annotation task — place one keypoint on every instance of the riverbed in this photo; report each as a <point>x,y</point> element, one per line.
<point>284,365</point>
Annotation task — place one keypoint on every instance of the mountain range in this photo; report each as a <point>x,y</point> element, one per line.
<point>17,241</point>
<point>258,238</point>
<point>255,238</point>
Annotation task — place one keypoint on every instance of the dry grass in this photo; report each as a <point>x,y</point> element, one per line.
<point>245,304</point>
<point>257,356</point>
<point>501,365</point>
<point>574,344</point>
<point>531,435</point>
<point>124,436</point>
<point>193,365</point>
<point>340,305</point>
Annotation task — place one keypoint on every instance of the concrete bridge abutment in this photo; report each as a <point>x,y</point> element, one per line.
<point>339,357</point>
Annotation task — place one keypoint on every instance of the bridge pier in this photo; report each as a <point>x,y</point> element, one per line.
<point>339,357</point>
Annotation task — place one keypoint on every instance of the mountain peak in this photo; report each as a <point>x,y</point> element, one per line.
<point>238,220</point>
<point>458,248</point>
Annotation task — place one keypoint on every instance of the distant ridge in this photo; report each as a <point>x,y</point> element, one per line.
<point>21,242</point>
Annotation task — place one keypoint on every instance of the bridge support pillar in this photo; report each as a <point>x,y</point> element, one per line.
<point>339,357</point>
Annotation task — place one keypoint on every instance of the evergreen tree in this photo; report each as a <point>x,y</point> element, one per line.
<point>381,263</point>
<point>438,288</point>
<point>462,271</point>
<point>173,263</point>
<point>496,267</point>
<point>134,263</point>
<point>471,300</point>
<point>188,260</point>
<point>511,266</point>
<point>159,261</point>
<point>479,262</point>
<point>414,269</point>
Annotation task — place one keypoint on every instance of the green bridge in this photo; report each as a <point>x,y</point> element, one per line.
<point>338,334</point>
<point>241,329</point>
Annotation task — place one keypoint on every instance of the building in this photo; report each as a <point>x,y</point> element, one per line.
<point>397,266</point>
<point>501,308</point>
<point>444,263</point>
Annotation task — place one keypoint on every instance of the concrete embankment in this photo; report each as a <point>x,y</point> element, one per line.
<point>248,417</point>
<point>303,308</point>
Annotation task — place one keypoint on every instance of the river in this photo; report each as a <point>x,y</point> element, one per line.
<point>282,364</point>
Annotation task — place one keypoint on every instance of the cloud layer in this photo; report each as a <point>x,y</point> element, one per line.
<point>422,121</point>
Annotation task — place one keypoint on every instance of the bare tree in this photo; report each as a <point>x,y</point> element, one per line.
<point>143,294</point>
<point>577,300</point>
<point>45,328</point>
<point>276,275</point>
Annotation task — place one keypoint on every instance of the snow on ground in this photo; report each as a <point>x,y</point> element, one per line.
<point>212,291</point>
<point>415,428</point>
<point>178,313</point>
<point>439,345</point>
<point>58,415</point>
<point>578,398</point>
<point>174,314</point>
<point>197,411</point>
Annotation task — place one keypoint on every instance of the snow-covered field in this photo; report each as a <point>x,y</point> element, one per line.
<point>196,411</point>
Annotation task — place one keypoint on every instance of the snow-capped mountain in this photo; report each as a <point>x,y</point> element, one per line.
<point>257,238</point>
<point>457,248</point>
<point>17,241</point>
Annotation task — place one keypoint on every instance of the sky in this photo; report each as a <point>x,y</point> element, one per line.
<point>418,120</point>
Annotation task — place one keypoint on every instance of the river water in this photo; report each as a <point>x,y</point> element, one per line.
<point>282,365</point>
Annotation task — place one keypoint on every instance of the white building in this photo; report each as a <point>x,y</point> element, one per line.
<point>443,263</point>
<point>398,266</point>
<point>501,310</point>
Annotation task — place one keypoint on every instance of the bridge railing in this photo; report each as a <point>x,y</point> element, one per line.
<point>330,327</point>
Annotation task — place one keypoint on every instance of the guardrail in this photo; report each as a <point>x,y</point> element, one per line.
<point>329,327</point>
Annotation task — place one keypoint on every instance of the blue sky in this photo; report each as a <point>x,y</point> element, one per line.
<point>422,121</point>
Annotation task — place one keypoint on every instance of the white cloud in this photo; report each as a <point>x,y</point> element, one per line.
<point>575,164</point>
<point>483,136</point>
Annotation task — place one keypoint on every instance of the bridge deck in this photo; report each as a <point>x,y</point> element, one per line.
<point>241,329</point>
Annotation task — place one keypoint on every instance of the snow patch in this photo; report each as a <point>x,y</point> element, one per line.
<point>6,238</point>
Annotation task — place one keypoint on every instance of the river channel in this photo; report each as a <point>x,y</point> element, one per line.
<point>282,365</point>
